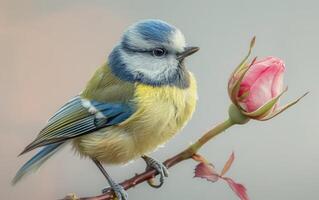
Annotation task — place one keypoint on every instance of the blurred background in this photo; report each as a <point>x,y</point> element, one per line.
<point>49,49</point>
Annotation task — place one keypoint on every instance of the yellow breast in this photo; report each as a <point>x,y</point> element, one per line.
<point>161,113</point>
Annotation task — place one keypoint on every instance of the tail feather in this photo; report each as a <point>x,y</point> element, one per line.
<point>36,161</point>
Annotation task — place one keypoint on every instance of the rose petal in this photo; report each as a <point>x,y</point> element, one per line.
<point>277,84</point>
<point>261,91</point>
<point>263,81</point>
<point>206,171</point>
<point>238,188</point>
<point>251,76</point>
<point>258,67</point>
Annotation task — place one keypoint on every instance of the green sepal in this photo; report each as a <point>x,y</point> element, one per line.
<point>236,115</point>
<point>238,74</point>
<point>266,108</point>
<point>283,108</point>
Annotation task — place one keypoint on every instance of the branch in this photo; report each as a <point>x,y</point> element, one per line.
<point>149,174</point>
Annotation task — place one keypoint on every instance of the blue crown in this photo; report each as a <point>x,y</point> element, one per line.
<point>155,30</point>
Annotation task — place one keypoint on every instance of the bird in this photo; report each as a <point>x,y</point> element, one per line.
<point>135,102</point>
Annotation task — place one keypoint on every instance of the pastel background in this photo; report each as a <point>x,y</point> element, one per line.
<point>49,49</point>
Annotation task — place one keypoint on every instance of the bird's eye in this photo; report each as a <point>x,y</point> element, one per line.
<point>159,52</point>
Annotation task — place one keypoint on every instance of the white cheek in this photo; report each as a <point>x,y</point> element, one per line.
<point>156,69</point>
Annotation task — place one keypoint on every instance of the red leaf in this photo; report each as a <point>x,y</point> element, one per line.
<point>199,158</point>
<point>228,164</point>
<point>238,188</point>
<point>206,171</point>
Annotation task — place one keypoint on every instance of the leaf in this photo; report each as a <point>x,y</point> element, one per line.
<point>199,158</point>
<point>228,164</point>
<point>206,171</point>
<point>238,188</point>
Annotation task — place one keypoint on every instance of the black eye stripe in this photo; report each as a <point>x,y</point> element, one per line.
<point>159,52</point>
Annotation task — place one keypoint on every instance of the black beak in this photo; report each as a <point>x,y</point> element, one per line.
<point>187,52</point>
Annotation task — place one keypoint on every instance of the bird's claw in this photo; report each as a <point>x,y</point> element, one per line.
<point>118,190</point>
<point>159,167</point>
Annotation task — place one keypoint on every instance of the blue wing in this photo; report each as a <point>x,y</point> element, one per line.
<point>37,160</point>
<point>80,116</point>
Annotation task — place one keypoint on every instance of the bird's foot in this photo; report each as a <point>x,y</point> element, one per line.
<point>118,190</point>
<point>159,167</point>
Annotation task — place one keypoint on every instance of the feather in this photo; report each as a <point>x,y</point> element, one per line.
<point>160,112</point>
<point>36,161</point>
<point>80,116</point>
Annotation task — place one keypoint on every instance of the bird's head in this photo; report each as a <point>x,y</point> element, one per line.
<point>152,52</point>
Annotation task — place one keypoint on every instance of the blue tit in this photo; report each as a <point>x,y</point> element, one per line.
<point>138,100</point>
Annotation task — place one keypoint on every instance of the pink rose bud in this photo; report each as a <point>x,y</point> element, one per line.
<point>261,83</point>
<point>255,89</point>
